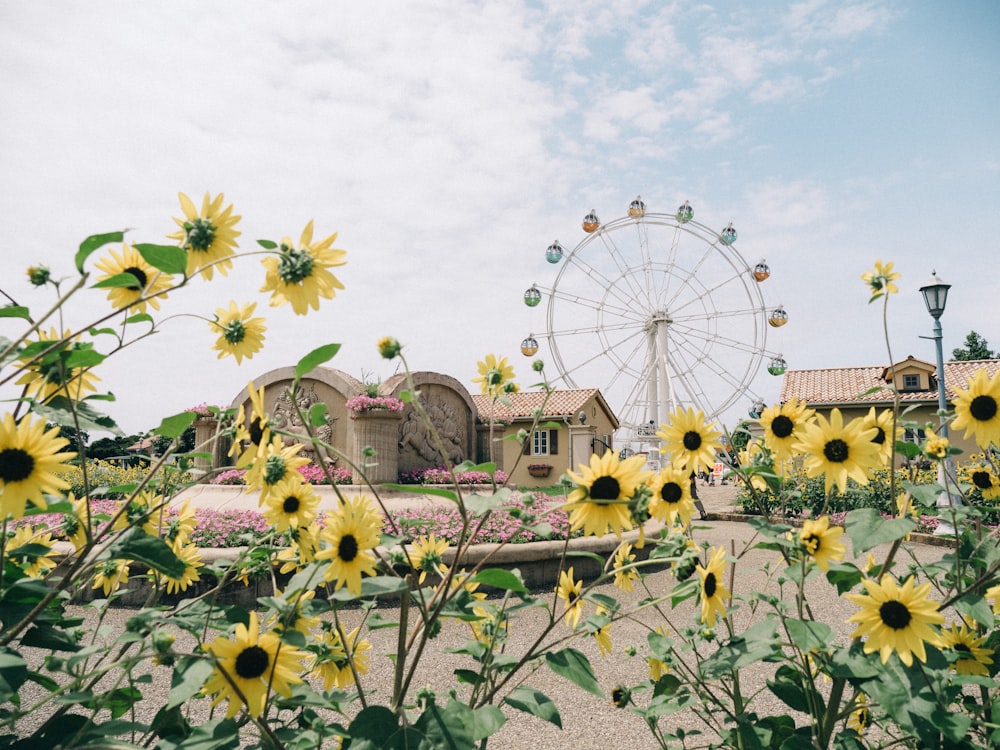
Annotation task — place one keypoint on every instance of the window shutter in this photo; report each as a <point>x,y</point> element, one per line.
<point>553,442</point>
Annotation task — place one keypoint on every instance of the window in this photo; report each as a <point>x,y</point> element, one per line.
<point>911,382</point>
<point>542,443</point>
<point>914,436</point>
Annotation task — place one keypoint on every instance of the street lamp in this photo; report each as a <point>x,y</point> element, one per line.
<point>935,294</point>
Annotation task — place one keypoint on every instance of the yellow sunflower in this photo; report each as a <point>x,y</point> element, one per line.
<point>689,441</point>
<point>880,279</point>
<point>782,427</point>
<point>936,446</point>
<point>299,275</point>
<point>332,661</point>
<point>822,542</point>
<point>76,524</point>
<point>600,500</point>
<point>302,551</point>
<point>277,462</point>
<point>150,285</point>
<point>602,634</point>
<point>179,525</point>
<point>351,532</point>
<point>208,237</point>
<point>296,612</point>
<point>253,436</point>
<point>426,554</point>
<point>657,667</point>
<point>48,376</point>
<point>839,451</point>
<point>896,618</point>
<point>569,591</point>
<point>291,503</point>
<point>625,577</point>
<point>976,408</point>
<point>885,437</point>
<point>190,555</point>
<point>984,479</point>
<point>30,456</point>
<point>713,593</point>
<point>34,565</point>
<point>240,334</point>
<point>110,575</point>
<point>254,664</point>
<point>993,592</point>
<point>671,496</point>
<point>494,374</point>
<point>861,716</point>
<point>973,657</point>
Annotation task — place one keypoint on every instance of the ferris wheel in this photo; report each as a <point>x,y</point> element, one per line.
<point>659,312</point>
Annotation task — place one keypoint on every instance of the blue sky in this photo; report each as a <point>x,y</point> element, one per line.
<point>449,143</point>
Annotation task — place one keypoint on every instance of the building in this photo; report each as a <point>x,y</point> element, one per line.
<point>854,390</point>
<point>574,424</point>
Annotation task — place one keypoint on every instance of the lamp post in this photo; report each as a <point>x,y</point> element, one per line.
<point>935,293</point>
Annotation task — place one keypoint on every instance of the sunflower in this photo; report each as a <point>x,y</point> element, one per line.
<point>49,376</point>
<point>839,451</point>
<point>689,441</point>
<point>191,557</point>
<point>569,591</point>
<point>984,479</point>
<point>295,613</point>
<point>490,627</point>
<point>291,503</point>
<point>880,279</point>
<point>332,661</point>
<point>240,334</point>
<point>976,408</point>
<point>388,347</point>
<point>253,436</point>
<point>671,496</point>
<point>29,460</point>
<point>426,554</point>
<point>657,667</point>
<point>299,275</point>
<point>624,575</point>
<point>276,463</point>
<point>885,437</point>
<point>993,592</point>
<point>144,509</point>
<point>179,525</point>
<point>602,634</point>
<point>35,564</point>
<point>351,532</point>
<point>782,427</point>
<point>822,542</point>
<point>208,237</point>
<point>110,575</point>
<point>76,523</point>
<point>249,666</point>
<point>150,284</point>
<point>713,593</point>
<point>936,446</point>
<point>896,618</point>
<point>301,551</point>
<point>600,500</point>
<point>973,658</point>
<point>861,716</point>
<point>494,374</point>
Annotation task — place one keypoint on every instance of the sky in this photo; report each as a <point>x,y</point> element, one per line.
<point>449,143</point>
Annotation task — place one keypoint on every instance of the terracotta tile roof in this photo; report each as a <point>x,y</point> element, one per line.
<point>849,385</point>
<point>524,404</point>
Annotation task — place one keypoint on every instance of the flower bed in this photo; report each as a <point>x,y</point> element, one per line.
<point>311,473</point>
<point>440,475</point>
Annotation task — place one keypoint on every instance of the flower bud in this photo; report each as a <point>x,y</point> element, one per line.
<point>388,347</point>
<point>38,275</point>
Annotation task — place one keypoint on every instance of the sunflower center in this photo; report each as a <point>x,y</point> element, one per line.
<point>234,331</point>
<point>782,426</point>
<point>16,465</point>
<point>710,584</point>
<point>692,440</point>
<point>252,662</point>
<point>671,492</point>
<point>963,648</point>
<point>836,451</point>
<point>140,276</point>
<point>982,480</point>
<point>274,469</point>
<point>983,408</point>
<point>347,550</point>
<point>291,504</point>
<point>605,488</point>
<point>879,436</point>
<point>200,234</point>
<point>256,431</point>
<point>295,266</point>
<point>812,543</point>
<point>895,614</point>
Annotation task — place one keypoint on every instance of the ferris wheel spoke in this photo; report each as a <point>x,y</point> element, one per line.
<point>695,334</point>
<point>605,284</point>
<point>596,357</point>
<point>621,311</point>
<point>625,271</point>
<point>592,330</point>
<point>723,374</point>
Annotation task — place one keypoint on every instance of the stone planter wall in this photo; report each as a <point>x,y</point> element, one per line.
<point>378,429</point>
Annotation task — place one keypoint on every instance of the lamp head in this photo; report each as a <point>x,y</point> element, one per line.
<point>935,294</point>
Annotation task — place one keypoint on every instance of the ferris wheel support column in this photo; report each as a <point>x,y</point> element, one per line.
<point>662,387</point>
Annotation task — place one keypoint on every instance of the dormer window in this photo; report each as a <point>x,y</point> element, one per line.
<point>911,382</point>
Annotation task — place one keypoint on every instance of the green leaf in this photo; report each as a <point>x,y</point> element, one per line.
<point>845,576</point>
<point>268,244</point>
<point>487,721</point>
<point>535,703</point>
<point>167,258</point>
<point>60,410</point>
<point>376,727</point>
<point>447,727</point>
<point>976,609</point>
<point>788,684</point>
<point>480,505</point>
<point>416,489</point>
<point>189,675</point>
<point>136,544</point>
<point>173,427</point>
<point>15,311</point>
<point>221,734</point>
<point>139,318</point>
<point>867,529</point>
<point>575,667</point>
<point>500,579</point>
<point>808,635</point>
<point>318,414</point>
<point>119,280</point>
<point>84,356</point>
<point>314,359</point>
<point>13,673</point>
<point>759,643</point>
<point>94,242</point>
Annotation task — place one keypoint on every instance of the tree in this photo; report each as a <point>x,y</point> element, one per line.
<point>976,347</point>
